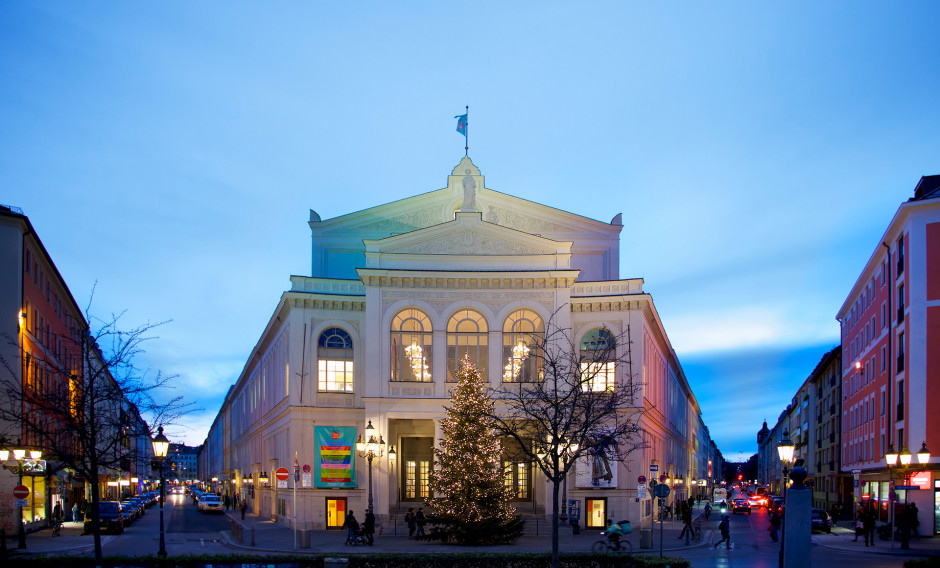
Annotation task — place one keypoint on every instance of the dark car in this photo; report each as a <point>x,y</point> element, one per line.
<point>740,506</point>
<point>820,521</point>
<point>109,515</point>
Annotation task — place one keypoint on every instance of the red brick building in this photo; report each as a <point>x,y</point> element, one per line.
<point>890,325</point>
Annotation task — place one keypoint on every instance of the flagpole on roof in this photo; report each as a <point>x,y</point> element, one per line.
<point>466,135</point>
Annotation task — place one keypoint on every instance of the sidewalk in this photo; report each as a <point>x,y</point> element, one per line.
<point>274,538</point>
<point>43,542</point>
<point>843,535</point>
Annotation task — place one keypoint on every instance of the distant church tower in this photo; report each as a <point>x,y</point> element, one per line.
<point>762,434</point>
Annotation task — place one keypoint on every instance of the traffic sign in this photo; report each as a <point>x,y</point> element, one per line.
<point>21,492</point>
<point>282,474</point>
<point>306,468</point>
<point>663,478</point>
<point>20,503</point>
<point>641,480</point>
<point>661,490</point>
<point>907,487</point>
<point>654,467</point>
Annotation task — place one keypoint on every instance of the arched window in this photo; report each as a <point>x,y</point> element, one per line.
<point>598,356</point>
<point>466,336</point>
<point>411,346</point>
<point>523,334</point>
<point>335,361</point>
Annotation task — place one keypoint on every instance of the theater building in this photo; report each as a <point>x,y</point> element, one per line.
<point>397,294</point>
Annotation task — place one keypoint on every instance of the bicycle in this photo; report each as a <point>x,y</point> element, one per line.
<point>606,545</point>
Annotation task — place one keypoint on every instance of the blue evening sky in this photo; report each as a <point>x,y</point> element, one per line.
<point>170,151</point>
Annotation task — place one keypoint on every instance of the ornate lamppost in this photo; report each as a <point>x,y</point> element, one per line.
<point>785,452</point>
<point>370,449</point>
<point>20,466</point>
<point>899,465</point>
<point>160,446</point>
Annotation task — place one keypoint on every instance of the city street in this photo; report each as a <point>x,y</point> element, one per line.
<point>190,532</point>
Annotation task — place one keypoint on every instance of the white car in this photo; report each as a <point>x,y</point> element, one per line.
<point>210,502</point>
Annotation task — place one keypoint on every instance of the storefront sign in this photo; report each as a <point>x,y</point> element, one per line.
<point>333,464</point>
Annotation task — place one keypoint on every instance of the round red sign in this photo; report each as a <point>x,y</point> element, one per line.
<point>663,478</point>
<point>641,479</point>
<point>282,474</point>
<point>21,492</point>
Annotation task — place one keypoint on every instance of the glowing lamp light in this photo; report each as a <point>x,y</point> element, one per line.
<point>785,448</point>
<point>520,352</point>
<point>416,358</point>
<point>19,454</point>
<point>923,456</point>
<point>160,444</point>
<point>891,457</point>
<point>4,455</point>
<point>35,454</point>
<point>905,457</point>
<point>858,365</point>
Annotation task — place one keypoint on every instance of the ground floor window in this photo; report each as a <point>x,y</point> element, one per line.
<point>35,509</point>
<point>335,512</point>
<point>596,513</point>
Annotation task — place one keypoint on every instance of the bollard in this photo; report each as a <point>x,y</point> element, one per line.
<point>304,538</point>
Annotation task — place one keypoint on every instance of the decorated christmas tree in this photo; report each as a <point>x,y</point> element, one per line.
<point>471,503</point>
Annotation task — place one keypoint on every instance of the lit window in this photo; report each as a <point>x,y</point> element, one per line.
<point>598,355</point>
<point>466,337</point>
<point>523,334</point>
<point>335,361</point>
<point>411,346</point>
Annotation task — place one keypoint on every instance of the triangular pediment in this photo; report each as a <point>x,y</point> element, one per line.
<point>468,239</point>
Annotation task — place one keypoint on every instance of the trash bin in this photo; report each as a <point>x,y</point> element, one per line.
<point>646,538</point>
<point>304,538</point>
<point>335,562</point>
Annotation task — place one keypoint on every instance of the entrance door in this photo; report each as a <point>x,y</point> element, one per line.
<point>335,512</point>
<point>596,513</point>
<point>415,469</point>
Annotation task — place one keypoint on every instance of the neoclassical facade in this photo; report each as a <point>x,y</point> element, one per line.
<point>398,293</point>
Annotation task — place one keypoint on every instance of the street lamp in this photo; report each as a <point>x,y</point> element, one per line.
<point>370,449</point>
<point>33,465</point>
<point>899,466</point>
<point>785,452</point>
<point>570,451</point>
<point>160,446</point>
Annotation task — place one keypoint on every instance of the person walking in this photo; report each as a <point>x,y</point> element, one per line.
<point>687,531</point>
<point>419,522</point>
<point>57,515</point>
<point>725,527</point>
<point>227,501</point>
<point>368,526</point>
<point>775,525</point>
<point>868,526</point>
<point>708,510</point>
<point>243,507</point>
<point>915,522</point>
<point>410,521</point>
<point>352,526</point>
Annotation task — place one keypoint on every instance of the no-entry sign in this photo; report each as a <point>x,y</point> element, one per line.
<point>282,474</point>
<point>21,492</point>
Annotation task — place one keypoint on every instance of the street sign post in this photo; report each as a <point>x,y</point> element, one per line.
<point>654,467</point>
<point>21,492</point>
<point>282,474</point>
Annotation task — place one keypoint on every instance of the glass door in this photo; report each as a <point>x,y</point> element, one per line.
<point>596,513</point>
<point>335,512</point>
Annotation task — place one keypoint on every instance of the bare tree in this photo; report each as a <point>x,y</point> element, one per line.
<point>580,401</point>
<point>83,401</point>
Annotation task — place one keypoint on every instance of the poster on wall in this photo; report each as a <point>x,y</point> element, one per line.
<point>334,465</point>
<point>595,470</point>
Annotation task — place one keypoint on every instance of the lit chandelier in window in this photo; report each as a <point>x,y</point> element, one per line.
<point>519,354</point>
<point>416,357</point>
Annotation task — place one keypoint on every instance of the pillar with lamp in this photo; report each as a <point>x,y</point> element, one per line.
<point>785,449</point>
<point>900,468</point>
<point>24,462</point>
<point>370,449</point>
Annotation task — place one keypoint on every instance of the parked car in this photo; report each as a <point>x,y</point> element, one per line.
<point>820,521</point>
<point>109,515</point>
<point>210,502</point>
<point>131,509</point>
<point>740,506</point>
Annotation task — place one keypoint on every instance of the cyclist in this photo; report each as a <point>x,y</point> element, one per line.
<point>614,531</point>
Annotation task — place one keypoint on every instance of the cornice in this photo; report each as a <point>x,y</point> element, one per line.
<point>554,279</point>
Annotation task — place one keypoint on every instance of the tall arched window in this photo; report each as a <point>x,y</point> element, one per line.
<point>411,346</point>
<point>598,356</point>
<point>335,361</point>
<point>523,334</point>
<point>466,336</point>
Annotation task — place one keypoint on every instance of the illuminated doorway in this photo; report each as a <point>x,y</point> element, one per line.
<point>335,512</point>
<point>596,513</point>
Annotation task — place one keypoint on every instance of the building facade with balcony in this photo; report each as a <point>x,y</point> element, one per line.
<point>398,293</point>
<point>890,324</point>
